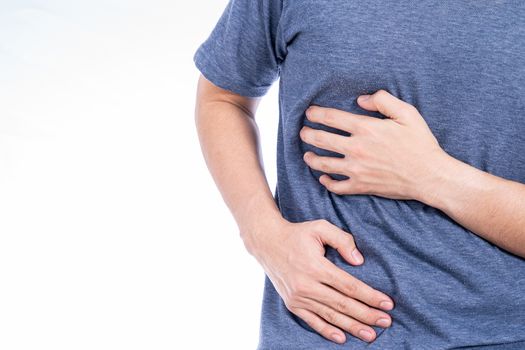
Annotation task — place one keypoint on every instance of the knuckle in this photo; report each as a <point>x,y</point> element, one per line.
<point>329,116</point>
<point>350,287</point>
<point>320,224</point>
<point>317,136</point>
<point>311,270</point>
<point>350,168</point>
<point>297,290</point>
<point>317,269</point>
<point>413,108</point>
<point>360,187</point>
<point>290,305</point>
<point>354,168</point>
<point>350,240</point>
<point>331,278</point>
<point>342,306</point>
<point>292,290</point>
<point>347,146</point>
<point>367,188</point>
<point>408,109</point>
<point>365,315</point>
<point>363,128</point>
<point>310,232</point>
<point>381,93</point>
<point>294,305</point>
<point>332,187</point>
<point>321,164</point>
<point>294,293</point>
<point>331,317</point>
<point>357,149</point>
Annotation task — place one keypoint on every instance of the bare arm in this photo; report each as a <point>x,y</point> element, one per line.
<point>228,135</point>
<point>399,157</point>
<point>488,205</point>
<point>292,254</point>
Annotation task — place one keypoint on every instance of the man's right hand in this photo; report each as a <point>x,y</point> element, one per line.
<point>326,297</point>
<point>292,254</point>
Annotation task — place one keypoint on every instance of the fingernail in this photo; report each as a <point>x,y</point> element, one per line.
<point>386,305</point>
<point>383,322</point>
<point>338,338</point>
<point>363,97</point>
<point>366,335</point>
<point>357,256</point>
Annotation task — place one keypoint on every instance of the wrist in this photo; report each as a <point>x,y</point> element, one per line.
<point>439,172</point>
<point>258,233</point>
<point>259,220</point>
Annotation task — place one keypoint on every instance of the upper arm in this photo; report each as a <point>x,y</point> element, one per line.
<point>241,57</point>
<point>208,92</point>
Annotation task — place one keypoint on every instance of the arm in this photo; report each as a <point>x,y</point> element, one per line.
<point>228,136</point>
<point>398,157</point>
<point>292,254</point>
<point>490,206</point>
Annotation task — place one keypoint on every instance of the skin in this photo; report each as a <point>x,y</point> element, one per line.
<point>326,297</point>
<point>398,157</point>
<point>292,254</point>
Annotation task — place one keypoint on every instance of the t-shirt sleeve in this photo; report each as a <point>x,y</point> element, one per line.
<point>244,51</point>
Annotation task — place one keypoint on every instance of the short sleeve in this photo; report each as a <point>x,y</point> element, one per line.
<point>244,51</point>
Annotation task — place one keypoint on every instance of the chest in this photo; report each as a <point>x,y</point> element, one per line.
<point>461,63</point>
<point>482,37</point>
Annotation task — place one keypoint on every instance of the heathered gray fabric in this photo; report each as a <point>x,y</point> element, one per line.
<point>462,64</point>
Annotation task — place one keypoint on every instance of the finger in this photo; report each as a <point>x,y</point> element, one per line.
<point>321,326</point>
<point>353,287</point>
<point>350,307</point>
<point>388,105</point>
<point>324,139</point>
<point>341,187</point>
<point>345,322</point>
<point>338,119</point>
<point>331,165</point>
<point>340,240</point>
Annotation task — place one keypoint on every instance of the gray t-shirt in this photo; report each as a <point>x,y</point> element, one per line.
<point>462,65</point>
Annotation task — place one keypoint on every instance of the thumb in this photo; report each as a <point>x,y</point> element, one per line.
<point>388,105</point>
<point>342,241</point>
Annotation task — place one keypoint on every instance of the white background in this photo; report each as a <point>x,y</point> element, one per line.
<point>112,232</point>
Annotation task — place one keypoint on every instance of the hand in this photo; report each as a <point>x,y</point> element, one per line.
<point>392,157</point>
<point>326,297</point>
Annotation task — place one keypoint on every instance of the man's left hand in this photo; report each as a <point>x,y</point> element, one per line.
<point>392,157</point>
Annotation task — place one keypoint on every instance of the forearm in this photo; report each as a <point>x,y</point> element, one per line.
<point>398,157</point>
<point>488,205</point>
<point>229,141</point>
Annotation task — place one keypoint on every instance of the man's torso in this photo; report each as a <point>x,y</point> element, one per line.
<point>462,64</point>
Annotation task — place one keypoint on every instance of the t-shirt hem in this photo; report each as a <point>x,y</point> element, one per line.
<point>210,71</point>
